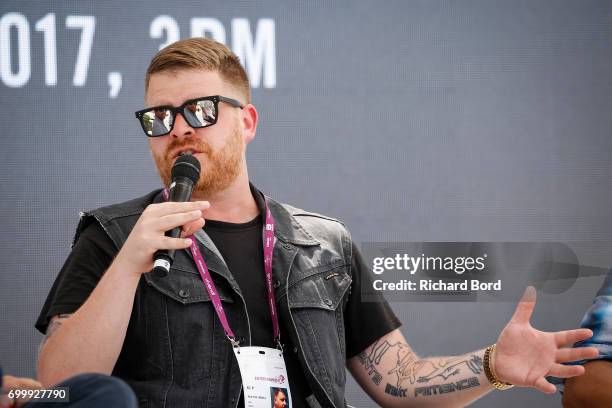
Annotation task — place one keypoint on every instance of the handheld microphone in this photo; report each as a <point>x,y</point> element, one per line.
<point>185,175</point>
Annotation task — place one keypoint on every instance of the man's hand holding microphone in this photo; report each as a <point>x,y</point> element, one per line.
<point>158,233</point>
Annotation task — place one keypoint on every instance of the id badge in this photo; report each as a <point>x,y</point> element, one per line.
<point>264,377</point>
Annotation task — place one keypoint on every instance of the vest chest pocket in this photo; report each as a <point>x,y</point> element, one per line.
<point>321,287</point>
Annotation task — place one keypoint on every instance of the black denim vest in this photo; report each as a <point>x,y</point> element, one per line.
<point>175,352</point>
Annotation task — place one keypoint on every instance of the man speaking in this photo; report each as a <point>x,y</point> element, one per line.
<point>259,284</point>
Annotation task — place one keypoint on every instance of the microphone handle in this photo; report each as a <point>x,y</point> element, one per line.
<point>180,191</point>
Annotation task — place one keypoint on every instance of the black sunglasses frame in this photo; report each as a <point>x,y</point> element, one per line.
<point>176,110</point>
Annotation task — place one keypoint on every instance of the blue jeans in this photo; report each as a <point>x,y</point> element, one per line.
<point>93,391</point>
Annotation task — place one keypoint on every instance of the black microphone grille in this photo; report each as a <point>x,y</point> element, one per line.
<point>188,166</point>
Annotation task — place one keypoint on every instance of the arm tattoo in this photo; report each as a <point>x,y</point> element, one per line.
<point>423,371</point>
<point>446,388</point>
<point>56,322</point>
<point>435,389</point>
<point>369,366</point>
<point>448,368</point>
<point>404,373</point>
<point>371,358</point>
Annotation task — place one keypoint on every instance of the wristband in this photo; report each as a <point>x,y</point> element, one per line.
<point>488,369</point>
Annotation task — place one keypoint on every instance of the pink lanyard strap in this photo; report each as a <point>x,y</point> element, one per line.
<point>268,248</point>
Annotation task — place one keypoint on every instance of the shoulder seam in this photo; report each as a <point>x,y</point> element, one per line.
<point>316,215</point>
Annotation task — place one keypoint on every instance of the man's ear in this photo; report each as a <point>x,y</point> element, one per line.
<point>249,123</point>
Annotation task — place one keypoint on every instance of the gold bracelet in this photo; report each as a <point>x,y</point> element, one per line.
<point>488,369</point>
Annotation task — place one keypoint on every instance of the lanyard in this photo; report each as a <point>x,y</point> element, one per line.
<point>268,248</point>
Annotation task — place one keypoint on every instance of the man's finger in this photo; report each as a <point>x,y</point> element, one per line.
<point>175,243</point>
<point>544,386</point>
<point>11,383</point>
<point>566,337</point>
<point>573,354</point>
<point>171,221</point>
<point>565,371</point>
<point>172,207</point>
<point>191,227</point>
<point>525,307</point>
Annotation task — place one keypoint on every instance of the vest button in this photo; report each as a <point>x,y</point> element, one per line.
<point>184,293</point>
<point>276,284</point>
<point>287,246</point>
<point>295,350</point>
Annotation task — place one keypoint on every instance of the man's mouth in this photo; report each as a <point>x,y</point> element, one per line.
<point>182,152</point>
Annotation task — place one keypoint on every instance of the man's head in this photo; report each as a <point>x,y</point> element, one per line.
<point>191,69</point>
<point>280,399</point>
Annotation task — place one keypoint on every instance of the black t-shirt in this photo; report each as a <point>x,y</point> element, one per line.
<point>242,249</point>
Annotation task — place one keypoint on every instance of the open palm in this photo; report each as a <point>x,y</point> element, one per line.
<point>525,355</point>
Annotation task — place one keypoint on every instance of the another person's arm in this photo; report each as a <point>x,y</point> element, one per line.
<point>594,388</point>
<point>10,383</point>
<point>90,339</point>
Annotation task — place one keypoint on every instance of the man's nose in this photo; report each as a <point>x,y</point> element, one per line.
<point>181,128</point>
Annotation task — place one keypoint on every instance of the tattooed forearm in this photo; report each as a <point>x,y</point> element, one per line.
<point>403,371</point>
<point>394,375</point>
<point>446,388</point>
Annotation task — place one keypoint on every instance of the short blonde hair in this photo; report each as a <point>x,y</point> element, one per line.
<point>201,53</point>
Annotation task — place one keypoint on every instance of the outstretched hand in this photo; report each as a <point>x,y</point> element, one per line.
<point>524,356</point>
